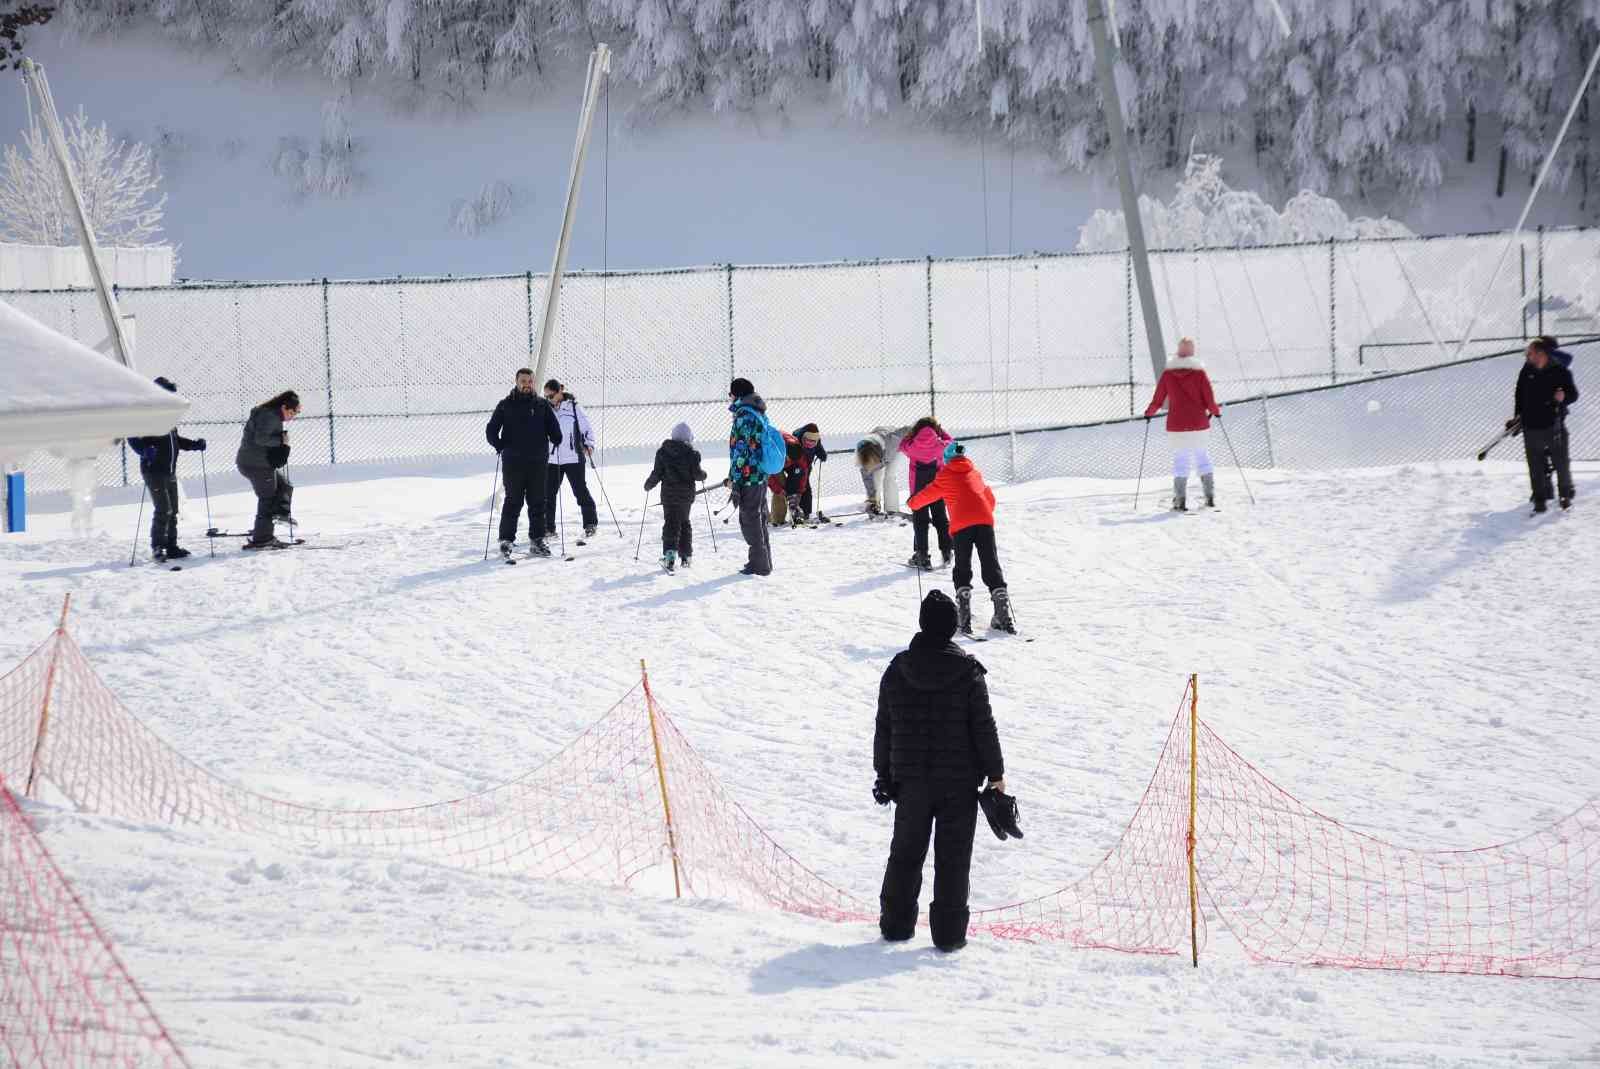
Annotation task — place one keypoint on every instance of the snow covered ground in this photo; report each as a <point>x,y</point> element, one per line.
<point>1403,649</point>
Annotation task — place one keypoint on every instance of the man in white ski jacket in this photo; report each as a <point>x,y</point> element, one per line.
<point>567,460</point>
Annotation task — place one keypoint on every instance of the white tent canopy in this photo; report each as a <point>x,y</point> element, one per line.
<point>60,395</point>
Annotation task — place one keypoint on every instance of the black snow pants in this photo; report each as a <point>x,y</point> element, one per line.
<point>979,537</point>
<point>949,812</point>
<point>574,475</point>
<point>164,509</point>
<point>1551,441</point>
<point>920,519</point>
<point>274,492</point>
<point>677,533</point>
<point>524,480</point>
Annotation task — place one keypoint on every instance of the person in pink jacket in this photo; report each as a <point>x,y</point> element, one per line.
<point>923,448</point>
<point>1185,389</point>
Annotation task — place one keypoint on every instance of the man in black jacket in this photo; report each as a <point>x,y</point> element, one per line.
<point>522,430</point>
<point>934,745</point>
<point>158,467</point>
<point>1544,390</point>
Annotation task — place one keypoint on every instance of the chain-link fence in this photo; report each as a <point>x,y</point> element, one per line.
<point>406,369</point>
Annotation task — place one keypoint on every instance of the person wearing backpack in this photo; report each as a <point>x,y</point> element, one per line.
<point>750,447</point>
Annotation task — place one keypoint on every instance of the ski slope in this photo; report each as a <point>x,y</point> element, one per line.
<point>1401,648</point>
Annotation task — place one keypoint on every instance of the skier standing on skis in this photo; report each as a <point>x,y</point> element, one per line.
<point>1185,389</point>
<point>812,453</point>
<point>924,448</point>
<point>1544,390</point>
<point>263,451</point>
<point>970,502</point>
<point>158,467</point>
<point>744,473</point>
<point>522,430</point>
<point>934,743</point>
<point>677,469</point>
<point>567,460</point>
<point>875,455</point>
<point>785,485</point>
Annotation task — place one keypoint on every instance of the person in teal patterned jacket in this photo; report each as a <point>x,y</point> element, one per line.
<point>745,478</point>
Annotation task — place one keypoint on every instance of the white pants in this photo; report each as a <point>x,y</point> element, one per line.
<point>1189,453</point>
<point>884,483</point>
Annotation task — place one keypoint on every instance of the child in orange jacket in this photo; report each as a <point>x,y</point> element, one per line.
<point>970,504</point>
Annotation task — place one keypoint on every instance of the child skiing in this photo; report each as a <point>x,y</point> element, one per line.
<point>961,488</point>
<point>677,470</point>
<point>812,453</point>
<point>924,448</point>
<point>1186,391</point>
<point>786,485</point>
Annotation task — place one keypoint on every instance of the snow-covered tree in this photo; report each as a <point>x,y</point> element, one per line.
<point>118,180</point>
<point>470,216</point>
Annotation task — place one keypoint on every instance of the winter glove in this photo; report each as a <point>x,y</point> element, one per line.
<point>278,455</point>
<point>200,444</point>
<point>881,794</point>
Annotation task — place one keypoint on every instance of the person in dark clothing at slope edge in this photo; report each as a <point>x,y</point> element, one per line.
<point>745,477</point>
<point>1544,390</point>
<point>677,469</point>
<point>158,467</point>
<point>263,451</point>
<point>934,744</point>
<point>522,430</point>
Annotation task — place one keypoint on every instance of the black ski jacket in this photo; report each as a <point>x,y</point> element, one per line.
<point>523,427</point>
<point>1536,394</point>
<point>158,454</point>
<point>677,470</point>
<point>934,722</point>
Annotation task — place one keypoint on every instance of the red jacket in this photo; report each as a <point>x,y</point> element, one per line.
<point>966,496</point>
<point>1186,391</point>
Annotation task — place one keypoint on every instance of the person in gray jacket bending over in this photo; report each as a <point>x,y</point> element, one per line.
<point>263,451</point>
<point>876,456</point>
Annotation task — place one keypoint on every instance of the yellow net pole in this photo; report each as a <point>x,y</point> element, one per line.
<point>661,777</point>
<point>1194,798</point>
<point>49,685</point>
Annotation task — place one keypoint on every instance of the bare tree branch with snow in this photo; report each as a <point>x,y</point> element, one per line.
<point>118,180</point>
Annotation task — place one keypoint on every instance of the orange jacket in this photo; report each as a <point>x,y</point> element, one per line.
<point>967,497</point>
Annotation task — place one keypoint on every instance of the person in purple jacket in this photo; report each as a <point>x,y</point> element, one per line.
<point>923,449</point>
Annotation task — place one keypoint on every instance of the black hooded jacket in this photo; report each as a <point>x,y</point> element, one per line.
<point>163,449</point>
<point>934,722</point>
<point>1536,394</point>
<point>677,470</point>
<point>523,427</point>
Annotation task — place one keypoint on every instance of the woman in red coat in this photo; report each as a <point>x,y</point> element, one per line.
<point>1186,391</point>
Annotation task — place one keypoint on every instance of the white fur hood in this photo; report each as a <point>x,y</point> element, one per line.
<point>1185,363</point>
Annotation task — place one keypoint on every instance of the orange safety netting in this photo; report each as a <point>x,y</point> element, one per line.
<point>631,795</point>
<point>66,1001</point>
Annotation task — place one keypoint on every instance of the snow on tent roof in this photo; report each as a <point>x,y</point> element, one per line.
<point>58,394</point>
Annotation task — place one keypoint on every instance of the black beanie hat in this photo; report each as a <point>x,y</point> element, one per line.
<point>166,383</point>
<point>740,388</point>
<point>938,616</point>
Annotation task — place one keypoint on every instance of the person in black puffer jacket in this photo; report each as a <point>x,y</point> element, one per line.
<point>158,467</point>
<point>677,470</point>
<point>934,745</point>
<point>522,430</point>
<point>1544,390</point>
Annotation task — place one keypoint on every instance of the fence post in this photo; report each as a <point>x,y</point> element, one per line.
<point>49,684</point>
<point>124,452</point>
<point>1333,310</point>
<point>732,363</point>
<point>1541,281</point>
<point>661,777</point>
<point>1522,257</point>
<point>327,367</point>
<point>1194,798</point>
<point>528,292</point>
<point>1266,427</point>
<point>933,399</point>
<point>1127,300</point>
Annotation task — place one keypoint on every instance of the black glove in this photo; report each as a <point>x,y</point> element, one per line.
<point>881,794</point>
<point>1512,422</point>
<point>277,455</point>
<point>822,454</point>
<point>200,444</point>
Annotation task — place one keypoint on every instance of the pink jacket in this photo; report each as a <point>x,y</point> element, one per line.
<point>927,447</point>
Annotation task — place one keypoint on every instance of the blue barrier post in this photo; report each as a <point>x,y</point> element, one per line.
<point>16,502</point>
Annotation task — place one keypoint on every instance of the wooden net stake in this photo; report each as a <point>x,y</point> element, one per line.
<point>49,684</point>
<point>661,777</point>
<point>1194,788</point>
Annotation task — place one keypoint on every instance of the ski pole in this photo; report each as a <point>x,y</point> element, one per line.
<point>821,516</point>
<point>601,483</point>
<point>205,481</point>
<point>138,520</point>
<point>1140,481</point>
<point>561,523</point>
<point>709,524</point>
<point>644,512</point>
<point>494,491</point>
<point>1236,463</point>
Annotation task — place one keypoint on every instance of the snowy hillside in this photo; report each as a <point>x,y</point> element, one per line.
<point>1396,647</point>
<point>255,193</point>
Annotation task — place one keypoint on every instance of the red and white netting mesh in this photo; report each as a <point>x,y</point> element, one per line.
<point>1289,884</point>
<point>66,1002</point>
